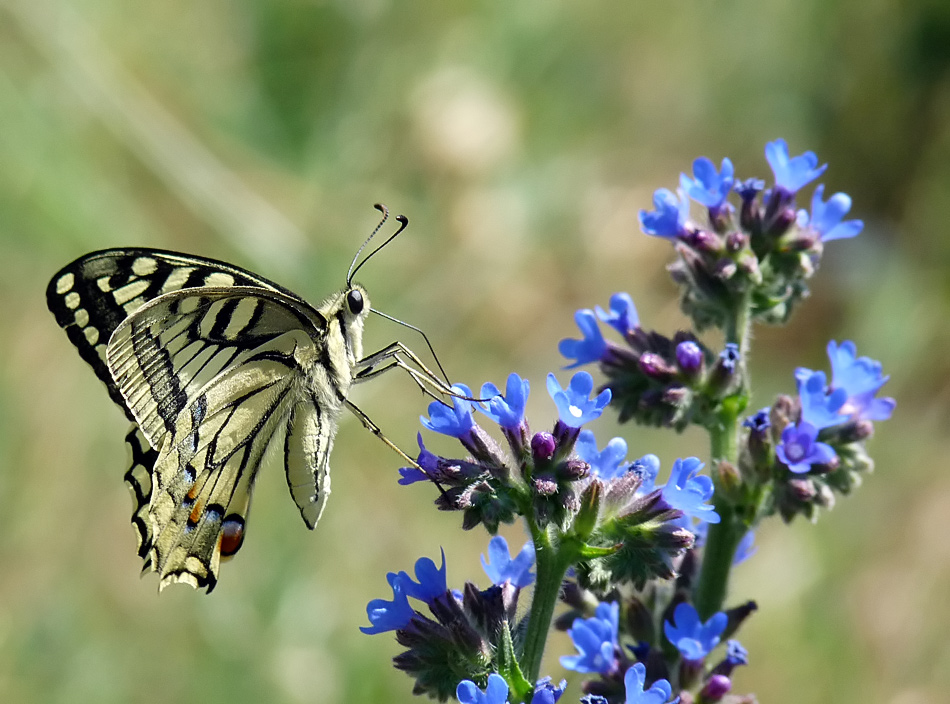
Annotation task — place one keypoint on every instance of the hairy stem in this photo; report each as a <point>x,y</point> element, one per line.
<point>724,537</point>
<point>552,561</point>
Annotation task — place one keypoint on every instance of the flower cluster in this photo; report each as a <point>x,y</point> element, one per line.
<point>765,249</point>
<point>457,641</point>
<point>609,647</point>
<point>642,567</point>
<point>559,479</point>
<point>813,445</point>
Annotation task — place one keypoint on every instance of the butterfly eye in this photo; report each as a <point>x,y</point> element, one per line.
<point>354,301</point>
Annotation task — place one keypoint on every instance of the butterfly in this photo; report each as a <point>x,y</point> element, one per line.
<point>213,363</point>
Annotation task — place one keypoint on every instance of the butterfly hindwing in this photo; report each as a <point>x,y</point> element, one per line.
<point>210,375</point>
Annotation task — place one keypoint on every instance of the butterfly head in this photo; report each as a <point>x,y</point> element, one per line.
<point>352,309</point>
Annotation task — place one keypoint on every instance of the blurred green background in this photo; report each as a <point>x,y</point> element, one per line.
<point>521,138</point>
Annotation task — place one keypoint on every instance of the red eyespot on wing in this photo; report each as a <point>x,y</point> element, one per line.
<point>232,535</point>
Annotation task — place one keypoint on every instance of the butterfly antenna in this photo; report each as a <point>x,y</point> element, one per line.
<point>403,224</point>
<point>385,211</point>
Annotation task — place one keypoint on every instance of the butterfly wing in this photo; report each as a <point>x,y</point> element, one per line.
<point>91,296</point>
<point>209,376</point>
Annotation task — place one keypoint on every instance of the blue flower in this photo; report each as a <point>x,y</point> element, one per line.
<point>800,449</point>
<point>507,410</point>
<point>606,464</point>
<point>826,218</point>
<point>426,460</point>
<point>730,356</point>
<point>693,638</point>
<point>591,347</point>
<point>659,693</point>
<point>648,467</point>
<point>596,640</point>
<point>496,692</point>
<point>545,692</point>
<point>749,188</point>
<point>736,654</point>
<point>623,314</point>
<point>758,422</point>
<point>574,405</point>
<point>745,549</point>
<point>791,174</point>
<point>501,568</point>
<point>709,187</point>
<point>861,379</point>
<point>389,615</point>
<point>431,583</point>
<point>820,408</point>
<point>688,492</point>
<point>455,420</point>
<point>669,218</point>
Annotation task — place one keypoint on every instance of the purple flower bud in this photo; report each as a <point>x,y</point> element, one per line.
<point>574,469</point>
<point>736,241</point>
<point>654,366</point>
<point>543,446</point>
<point>706,241</point>
<point>689,356</point>
<point>725,269</point>
<point>716,688</point>
<point>545,485</point>
<point>782,221</point>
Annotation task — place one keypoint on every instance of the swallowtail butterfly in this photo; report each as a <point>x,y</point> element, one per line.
<point>211,363</point>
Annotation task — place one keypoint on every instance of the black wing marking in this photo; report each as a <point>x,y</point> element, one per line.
<point>91,296</point>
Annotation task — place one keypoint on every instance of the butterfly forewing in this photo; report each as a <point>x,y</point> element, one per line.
<point>91,296</point>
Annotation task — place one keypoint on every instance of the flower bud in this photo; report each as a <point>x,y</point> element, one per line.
<point>730,480</point>
<point>748,264</point>
<point>543,446</point>
<point>725,269</point>
<point>736,241</point>
<point>716,688</point>
<point>589,512</point>
<point>689,357</point>
<point>737,615</point>
<point>723,377</point>
<point>545,485</point>
<point>706,242</point>
<point>655,367</point>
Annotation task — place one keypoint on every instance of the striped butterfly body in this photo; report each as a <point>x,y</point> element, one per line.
<point>211,363</point>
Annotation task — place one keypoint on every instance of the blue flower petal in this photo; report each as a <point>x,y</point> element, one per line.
<point>501,568</point>
<point>432,580</point>
<point>507,410</point>
<point>708,187</point>
<point>389,615</point>
<point>670,214</point>
<point>454,420</point>
<point>826,218</point>
<point>623,313</point>
<point>791,174</point>
<point>574,405</point>
<point>590,348</point>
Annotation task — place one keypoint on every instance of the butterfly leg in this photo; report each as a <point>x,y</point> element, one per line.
<point>375,430</point>
<point>393,354</point>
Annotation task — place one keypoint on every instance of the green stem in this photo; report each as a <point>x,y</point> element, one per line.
<point>551,565</point>
<point>723,537</point>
